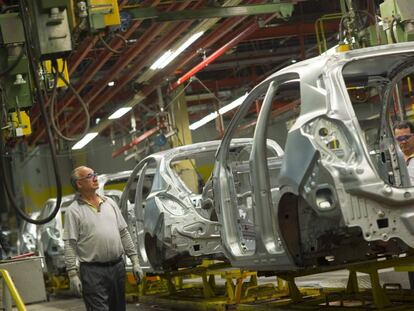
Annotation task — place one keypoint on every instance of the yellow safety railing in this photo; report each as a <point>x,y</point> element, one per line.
<point>13,290</point>
<point>320,30</point>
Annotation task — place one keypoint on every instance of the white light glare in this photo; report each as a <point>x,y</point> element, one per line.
<point>84,141</point>
<point>233,104</point>
<point>204,120</point>
<point>111,83</point>
<point>119,113</point>
<point>161,62</point>
<point>215,114</point>
<point>168,56</point>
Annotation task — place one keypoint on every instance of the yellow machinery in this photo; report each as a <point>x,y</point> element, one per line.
<point>10,291</point>
<point>242,290</point>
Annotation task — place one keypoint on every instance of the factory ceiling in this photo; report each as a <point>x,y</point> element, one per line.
<point>112,68</point>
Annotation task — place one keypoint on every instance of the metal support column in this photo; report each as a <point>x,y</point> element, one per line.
<point>352,285</point>
<point>6,297</point>
<point>180,122</point>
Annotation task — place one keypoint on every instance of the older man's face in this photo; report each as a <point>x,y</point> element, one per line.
<point>88,179</point>
<point>405,139</point>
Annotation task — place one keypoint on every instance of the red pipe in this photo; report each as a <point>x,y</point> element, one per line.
<point>103,96</point>
<point>25,255</point>
<point>135,141</point>
<point>92,70</point>
<point>245,33</point>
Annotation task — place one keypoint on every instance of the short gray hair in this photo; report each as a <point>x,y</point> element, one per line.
<point>74,176</point>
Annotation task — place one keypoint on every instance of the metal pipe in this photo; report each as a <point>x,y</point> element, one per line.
<point>97,99</point>
<point>245,33</point>
<point>135,141</point>
<point>94,68</point>
<point>8,283</point>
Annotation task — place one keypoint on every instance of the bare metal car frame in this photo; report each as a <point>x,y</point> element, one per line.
<point>342,193</point>
<point>172,225</point>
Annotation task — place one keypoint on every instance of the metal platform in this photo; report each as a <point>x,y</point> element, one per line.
<point>217,287</point>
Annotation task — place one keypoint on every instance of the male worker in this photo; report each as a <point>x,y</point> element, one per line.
<point>404,134</point>
<point>97,234</point>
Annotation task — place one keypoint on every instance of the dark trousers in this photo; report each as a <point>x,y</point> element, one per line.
<point>103,286</point>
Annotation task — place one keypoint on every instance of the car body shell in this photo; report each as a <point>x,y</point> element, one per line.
<point>172,225</point>
<point>329,207</point>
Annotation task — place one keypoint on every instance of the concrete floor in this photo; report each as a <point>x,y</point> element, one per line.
<point>76,304</point>
<point>336,279</point>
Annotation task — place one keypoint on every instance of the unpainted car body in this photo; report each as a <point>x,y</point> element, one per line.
<point>174,223</point>
<point>342,194</point>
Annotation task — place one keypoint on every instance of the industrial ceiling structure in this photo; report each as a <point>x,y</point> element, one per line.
<point>234,50</point>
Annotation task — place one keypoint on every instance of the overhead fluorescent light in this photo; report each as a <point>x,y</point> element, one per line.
<point>233,104</point>
<point>215,114</point>
<point>84,141</point>
<point>168,56</point>
<point>161,62</point>
<point>204,120</point>
<point>119,113</point>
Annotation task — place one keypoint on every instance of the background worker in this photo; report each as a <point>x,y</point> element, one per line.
<point>96,233</point>
<point>404,134</point>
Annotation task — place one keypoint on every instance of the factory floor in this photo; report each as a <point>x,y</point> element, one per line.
<point>336,279</point>
<point>76,304</point>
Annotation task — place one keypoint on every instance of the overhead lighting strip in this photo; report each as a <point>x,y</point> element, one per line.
<point>84,141</point>
<point>215,114</point>
<point>119,113</point>
<point>170,55</point>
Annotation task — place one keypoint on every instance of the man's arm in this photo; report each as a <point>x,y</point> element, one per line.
<point>70,255</point>
<point>70,260</point>
<point>127,243</point>
<point>131,252</point>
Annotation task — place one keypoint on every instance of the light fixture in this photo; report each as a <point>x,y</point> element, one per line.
<point>215,114</point>
<point>235,103</point>
<point>111,83</point>
<point>203,121</point>
<point>168,56</point>
<point>84,141</point>
<point>161,62</point>
<point>119,113</point>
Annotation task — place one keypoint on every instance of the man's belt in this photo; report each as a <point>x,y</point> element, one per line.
<point>103,264</point>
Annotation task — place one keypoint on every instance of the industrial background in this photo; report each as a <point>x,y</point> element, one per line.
<point>135,77</point>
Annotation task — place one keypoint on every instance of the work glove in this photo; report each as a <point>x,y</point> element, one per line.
<point>75,283</point>
<point>136,269</point>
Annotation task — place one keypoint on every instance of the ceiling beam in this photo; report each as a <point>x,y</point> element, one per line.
<point>283,9</point>
<point>287,30</point>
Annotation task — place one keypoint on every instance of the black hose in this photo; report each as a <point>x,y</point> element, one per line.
<point>32,63</point>
<point>15,63</point>
<point>53,101</point>
<point>110,48</point>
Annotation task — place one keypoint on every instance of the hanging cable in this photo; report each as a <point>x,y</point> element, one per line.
<point>53,101</point>
<point>14,64</point>
<point>33,67</point>
<point>208,90</point>
<point>110,48</point>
